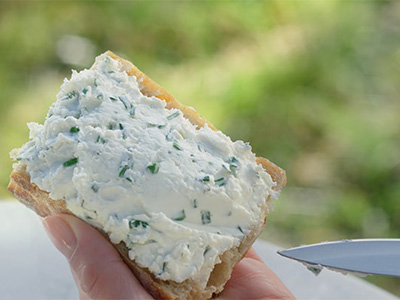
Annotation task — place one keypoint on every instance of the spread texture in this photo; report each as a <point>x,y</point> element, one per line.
<point>178,196</point>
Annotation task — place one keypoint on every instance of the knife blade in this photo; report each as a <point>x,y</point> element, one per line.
<point>362,256</point>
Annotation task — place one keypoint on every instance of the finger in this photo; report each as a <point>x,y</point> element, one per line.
<point>252,279</point>
<point>97,267</point>
<point>253,255</point>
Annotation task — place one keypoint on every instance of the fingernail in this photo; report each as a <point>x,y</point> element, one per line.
<point>60,234</point>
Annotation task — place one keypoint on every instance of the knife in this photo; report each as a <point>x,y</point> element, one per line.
<point>362,256</point>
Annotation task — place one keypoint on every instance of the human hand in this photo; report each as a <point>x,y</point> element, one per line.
<point>100,272</point>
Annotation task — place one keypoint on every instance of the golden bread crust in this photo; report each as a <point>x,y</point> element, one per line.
<point>38,200</point>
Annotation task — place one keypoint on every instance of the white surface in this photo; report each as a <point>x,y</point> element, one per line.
<point>32,268</point>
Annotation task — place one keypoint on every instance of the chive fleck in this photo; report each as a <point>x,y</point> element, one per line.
<point>113,99</point>
<point>208,248</point>
<point>156,125</point>
<point>205,217</point>
<point>195,204</point>
<point>70,162</point>
<point>164,266</point>
<point>206,178</point>
<point>100,96</point>
<point>100,139</point>
<point>177,146</point>
<point>124,102</point>
<point>84,91</point>
<point>154,168</point>
<point>132,111</point>
<point>71,95</point>
<point>240,229</point>
<point>74,129</point>
<point>95,187</point>
<point>220,181</point>
<point>181,216</point>
<point>123,170</point>
<point>136,223</point>
<point>173,115</point>
<point>121,126</point>
<point>233,165</point>
<point>95,82</point>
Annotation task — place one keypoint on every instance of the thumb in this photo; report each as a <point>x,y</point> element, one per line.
<point>98,270</point>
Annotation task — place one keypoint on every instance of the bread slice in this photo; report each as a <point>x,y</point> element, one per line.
<point>38,200</point>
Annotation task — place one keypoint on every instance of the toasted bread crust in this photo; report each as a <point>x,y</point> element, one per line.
<point>38,200</point>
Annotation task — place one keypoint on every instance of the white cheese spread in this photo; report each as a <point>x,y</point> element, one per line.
<point>176,195</point>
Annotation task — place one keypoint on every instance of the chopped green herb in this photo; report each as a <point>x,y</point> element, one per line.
<point>123,170</point>
<point>206,178</point>
<point>95,187</point>
<point>113,99</point>
<point>111,126</point>
<point>74,129</point>
<point>315,270</point>
<point>95,82</point>
<point>164,266</point>
<point>100,96</point>
<point>181,216</point>
<point>70,162</point>
<point>136,223</point>
<point>156,125</point>
<point>173,115</point>
<point>71,95</point>
<point>78,114</point>
<point>233,165</point>
<point>177,146</point>
<point>124,102</point>
<point>220,181</point>
<point>130,180</point>
<point>208,248</point>
<point>154,168</point>
<point>84,91</point>
<point>233,160</point>
<point>168,137</point>
<point>233,168</point>
<point>195,204</point>
<point>132,111</point>
<point>240,229</point>
<point>100,140</point>
<point>205,217</point>
<point>121,126</point>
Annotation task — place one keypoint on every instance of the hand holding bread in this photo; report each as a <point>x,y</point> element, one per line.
<point>103,275</point>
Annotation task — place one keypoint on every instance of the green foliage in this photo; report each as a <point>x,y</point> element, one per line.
<point>312,85</point>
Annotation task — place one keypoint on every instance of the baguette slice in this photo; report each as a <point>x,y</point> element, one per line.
<point>39,201</point>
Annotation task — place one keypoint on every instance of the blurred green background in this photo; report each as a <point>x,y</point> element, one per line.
<point>312,85</point>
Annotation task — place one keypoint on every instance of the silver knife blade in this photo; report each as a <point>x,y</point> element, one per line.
<point>364,256</point>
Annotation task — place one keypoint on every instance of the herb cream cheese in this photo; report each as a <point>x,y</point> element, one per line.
<point>176,195</point>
